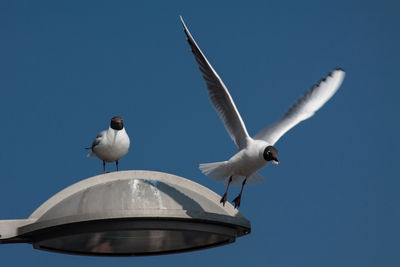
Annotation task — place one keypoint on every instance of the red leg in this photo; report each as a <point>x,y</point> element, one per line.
<point>236,201</point>
<point>223,199</point>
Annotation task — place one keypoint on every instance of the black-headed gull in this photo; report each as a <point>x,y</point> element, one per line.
<point>112,144</point>
<point>254,153</point>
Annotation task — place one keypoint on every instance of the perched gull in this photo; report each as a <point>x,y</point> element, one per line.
<point>254,153</point>
<point>112,144</point>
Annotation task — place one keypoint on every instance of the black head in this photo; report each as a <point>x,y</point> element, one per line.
<point>271,153</point>
<point>117,123</point>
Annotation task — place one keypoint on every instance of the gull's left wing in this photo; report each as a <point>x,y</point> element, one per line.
<point>304,107</point>
<point>219,95</point>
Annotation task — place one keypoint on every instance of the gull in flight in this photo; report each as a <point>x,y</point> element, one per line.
<point>254,152</point>
<point>112,144</point>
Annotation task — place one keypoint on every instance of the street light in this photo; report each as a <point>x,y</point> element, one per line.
<point>129,213</point>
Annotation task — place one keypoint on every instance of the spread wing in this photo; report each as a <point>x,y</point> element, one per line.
<point>304,107</point>
<point>219,95</point>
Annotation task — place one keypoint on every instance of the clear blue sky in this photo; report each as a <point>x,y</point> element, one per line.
<point>67,67</point>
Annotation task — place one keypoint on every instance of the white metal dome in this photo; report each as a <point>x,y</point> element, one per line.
<point>129,213</point>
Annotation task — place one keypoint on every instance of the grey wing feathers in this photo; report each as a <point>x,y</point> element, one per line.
<point>304,108</point>
<point>219,95</point>
<point>98,139</point>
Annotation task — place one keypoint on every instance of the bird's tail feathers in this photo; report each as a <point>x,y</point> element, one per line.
<point>220,172</point>
<point>217,171</point>
<point>91,154</point>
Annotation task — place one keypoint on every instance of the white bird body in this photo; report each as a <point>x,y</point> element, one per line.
<point>249,159</point>
<point>254,153</point>
<point>112,145</point>
<point>244,163</point>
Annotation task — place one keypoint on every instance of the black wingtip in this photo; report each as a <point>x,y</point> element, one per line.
<point>185,29</point>
<point>336,69</point>
<point>182,21</point>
